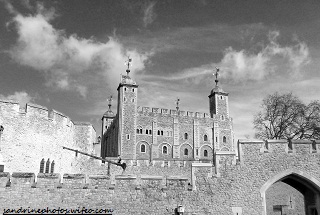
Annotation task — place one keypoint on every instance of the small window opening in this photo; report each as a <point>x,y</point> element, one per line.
<point>146,131</point>
<point>52,167</point>
<point>133,90</point>
<point>124,98</point>
<point>47,165</point>
<point>197,151</point>
<point>42,166</point>
<point>125,89</point>
<point>162,133</point>
<point>132,100</point>
<point>205,138</point>
<point>165,150</point>
<point>143,148</point>
<point>138,131</point>
<point>150,132</point>
<point>158,132</point>
<point>128,136</point>
<point>185,151</point>
<point>185,136</point>
<point>205,153</point>
<point>224,139</point>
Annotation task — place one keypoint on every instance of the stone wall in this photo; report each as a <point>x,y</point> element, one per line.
<point>233,186</point>
<point>34,133</point>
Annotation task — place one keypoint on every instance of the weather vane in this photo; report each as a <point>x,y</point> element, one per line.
<point>128,64</point>
<point>177,102</point>
<point>110,101</point>
<point>216,74</point>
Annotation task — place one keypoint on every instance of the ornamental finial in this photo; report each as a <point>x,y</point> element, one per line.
<point>110,100</point>
<point>128,63</point>
<point>216,74</point>
<point>177,102</point>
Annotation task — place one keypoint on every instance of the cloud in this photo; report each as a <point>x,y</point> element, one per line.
<point>241,65</point>
<point>149,14</point>
<point>68,62</point>
<point>22,97</point>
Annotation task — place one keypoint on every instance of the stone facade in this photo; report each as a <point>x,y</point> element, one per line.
<point>33,133</point>
<point>233,187</point>
<point>161,134</point>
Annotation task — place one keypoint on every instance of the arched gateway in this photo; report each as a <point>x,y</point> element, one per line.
<point>304,188</point>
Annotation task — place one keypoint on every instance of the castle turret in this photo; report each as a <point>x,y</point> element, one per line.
<point>107,119</point>
<point>219,110</point>
<point>127,114</point>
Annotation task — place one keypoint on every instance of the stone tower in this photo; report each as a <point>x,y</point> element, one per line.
<point>223,126</point>
<point>107,119</point>
<point>127,115</point>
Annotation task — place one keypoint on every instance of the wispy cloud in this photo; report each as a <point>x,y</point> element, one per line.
<point>69,62</point>
<point>149,14</point>
<point>241,65</point>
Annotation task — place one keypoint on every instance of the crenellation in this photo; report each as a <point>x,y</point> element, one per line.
<point>182,113</point>
<point>173,112</point>
<point>156,110</point>
<point>146,109</point>
<point>164,111</point>
<point>190,114</point>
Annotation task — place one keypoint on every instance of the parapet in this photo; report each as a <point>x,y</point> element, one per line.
<point>172,112</point>
<point>23,180</point>
<point>278,146</point>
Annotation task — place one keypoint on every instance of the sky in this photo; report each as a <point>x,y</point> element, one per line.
<point>68,55</point>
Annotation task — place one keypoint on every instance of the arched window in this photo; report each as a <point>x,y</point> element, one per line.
<point>162,133</point>
<point>164,150</point>
<point>140,130</point>
<point>47,165</point>
<point>150,132</point>
<point>158,132</point>
<point>42,166</point>
<point>137,131</point>
<point>143,148</point>
<point>125,89</point>
<point>224,139</point>
<point>133,90</point>
<point>205,137</point>
<point>52,167</point>
<point>205,153</point>
<point>185,136</point>
<point>185,151</point>
<point>146,131</point>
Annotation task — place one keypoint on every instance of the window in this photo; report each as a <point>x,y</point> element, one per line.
<point>124,98</point>
<point>224,139</point>
<point>52,167</point>
<point>125,89</point>
<point>47,165</point>
<point>205,137</point>
<point>158,132</point>
<point>162,133</point>
<point>222,117</point>
<point>205,153</point>
<point>216,139</point>
<point>132,100</point>
<point>185,136</point>
<point>42,166</point>
<point>164,150</point>
<point>186,152</point>
<point>143,148</point>
<point>128,136</point>
<point>133,90</point>
<point>138,131</point>
<point>150,132</point>
<point>146,131</point>
<point>197,151</point>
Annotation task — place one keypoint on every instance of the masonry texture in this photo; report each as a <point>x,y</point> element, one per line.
<point>234,187</point>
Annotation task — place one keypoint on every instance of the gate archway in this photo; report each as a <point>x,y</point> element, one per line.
<point>301,183</point>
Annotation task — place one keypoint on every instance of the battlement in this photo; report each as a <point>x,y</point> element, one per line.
<point>11,107</point>
<point>164,111</point>
<point>23,180</point>
<point>298,147</point>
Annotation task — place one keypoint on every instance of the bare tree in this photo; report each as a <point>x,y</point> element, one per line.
<point>284,116</point>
